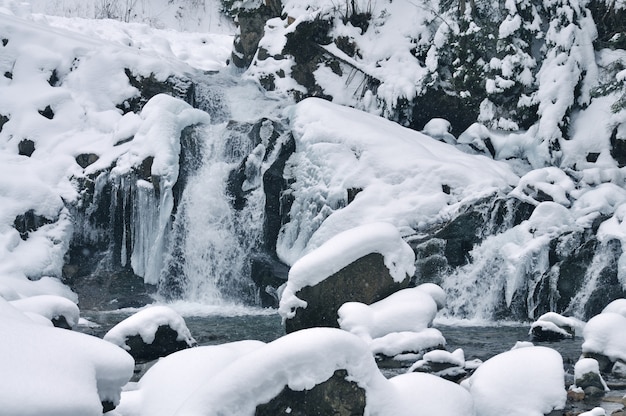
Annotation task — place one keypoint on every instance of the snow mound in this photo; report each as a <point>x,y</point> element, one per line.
<point>522,382</point>
<point>617,306</point>
<point>432,395</point>
<point>299,360</point>
<point>145,324</point>
<point>54,372</point>
<point>405,310</point>
<point>342,250</point>
<point>170,382</point>
<point>51,307</point>
<point>606,334</point>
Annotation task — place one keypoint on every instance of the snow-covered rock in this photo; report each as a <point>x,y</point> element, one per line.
<point>588,378</point>
<point>448,365</point>
<point>61,311</point>
<point>364,264</point>
<point>245,378</point>
<point>522,382</point>
<point>551,326</point>
<point>53,371</point>
<point>168,383</point>
<point>397,326</point>
<point>151,333</point>
<point>605,335</point>
<point>406,178</point>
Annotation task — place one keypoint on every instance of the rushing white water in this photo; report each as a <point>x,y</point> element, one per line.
<point>215,240</point>
<point>601,259</point>
<point>212,242</point>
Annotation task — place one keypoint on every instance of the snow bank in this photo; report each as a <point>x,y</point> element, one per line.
<point>165,14</point>
<point>53,371</point>
<point>522,382</point>
<point>145,324</point>
<point>606,334</point>
<point>402,177</point>
<point>342,250</point>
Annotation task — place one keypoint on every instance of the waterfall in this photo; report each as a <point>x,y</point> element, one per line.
<point>603,259</point>
<point>208,258</point>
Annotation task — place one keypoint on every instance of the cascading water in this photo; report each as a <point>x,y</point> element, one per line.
<point>213,237</point>
<point>211,244</point>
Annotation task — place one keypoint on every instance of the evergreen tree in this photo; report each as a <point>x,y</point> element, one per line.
<point>511,73</point>
<point>567,74</point>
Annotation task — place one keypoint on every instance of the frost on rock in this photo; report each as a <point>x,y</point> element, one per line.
<point>53,371</point>
<point>522,382</point>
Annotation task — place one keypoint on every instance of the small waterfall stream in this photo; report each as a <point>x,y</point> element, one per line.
<point>208,258</point>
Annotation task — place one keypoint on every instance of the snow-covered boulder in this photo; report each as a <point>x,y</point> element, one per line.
<point>522,382</point>
<point>169,382</point>
<point>553,327</point>
<point>605,339</point>
<point>313,371</point>
<point>587,377</point>
<point>52,371</point>
<point>364,264</point>
<point>398,324</point>
<point>151,333</point>
<point>617,306</point>
<point>445,364</point>
<point>61,311</point>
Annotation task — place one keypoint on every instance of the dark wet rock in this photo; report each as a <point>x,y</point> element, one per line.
<point>30,221</point>
<point>544,334</point>
<point>26,147</point>
<point>60,322</point>
<point>277,201</point>
<point>47,112</point>
<point>149,86</point>
<point>335,396</point>
<point>86,159</point>
<point>604,363</point>
<point>366,280</point>
<point>251,30</point>
<point>165,342</point>
<point>3,120</point>
<point>268,274</point>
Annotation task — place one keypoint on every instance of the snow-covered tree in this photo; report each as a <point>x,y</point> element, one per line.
<point>567,74</point>
<point>512,71</point>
